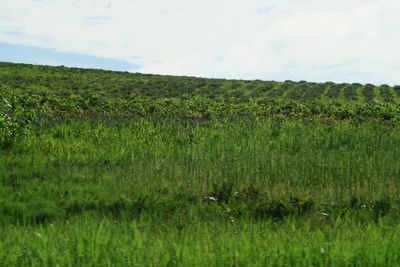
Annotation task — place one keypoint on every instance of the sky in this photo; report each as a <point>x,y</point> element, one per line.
<point>312,40</point>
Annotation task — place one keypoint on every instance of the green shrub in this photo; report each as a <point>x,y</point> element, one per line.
<point>15,122</point>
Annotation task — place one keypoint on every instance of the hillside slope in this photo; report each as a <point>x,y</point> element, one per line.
<point>62,81</point>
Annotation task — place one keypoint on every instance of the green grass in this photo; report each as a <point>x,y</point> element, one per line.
<point>195,172</point>
<point>104,242</point>
<point>138,192</point>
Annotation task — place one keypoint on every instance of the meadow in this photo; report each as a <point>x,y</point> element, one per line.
<point>102,168</point>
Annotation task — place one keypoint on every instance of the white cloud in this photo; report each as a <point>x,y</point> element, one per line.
<point>337,40</point>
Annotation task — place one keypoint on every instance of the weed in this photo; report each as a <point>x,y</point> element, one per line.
<point>222,193</point>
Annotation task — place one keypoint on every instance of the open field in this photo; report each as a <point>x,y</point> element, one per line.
<point>117,169</point>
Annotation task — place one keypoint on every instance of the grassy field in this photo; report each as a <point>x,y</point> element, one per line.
<point>217,173</point>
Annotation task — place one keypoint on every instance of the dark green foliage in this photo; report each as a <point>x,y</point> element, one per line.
<point>280,89</point>
<point>397,90</point>
<point>272,209</point>
<point>386,93</point>
<point>380,208</point>
<point>334,90</point>
<point>302,205</point>
<point>368,93</point>
<point>222,193</point>
<point>314,92</point>
<point>296,92</point>
<point>350,91</point>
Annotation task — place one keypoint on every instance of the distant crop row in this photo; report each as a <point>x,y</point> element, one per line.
<point>63,81</point>
<point>195,108</point>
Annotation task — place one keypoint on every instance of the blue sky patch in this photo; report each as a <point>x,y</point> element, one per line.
<point>42,56</point>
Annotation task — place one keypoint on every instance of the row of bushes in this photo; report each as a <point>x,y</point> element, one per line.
<point>195,108</point>
<point>64,81</point>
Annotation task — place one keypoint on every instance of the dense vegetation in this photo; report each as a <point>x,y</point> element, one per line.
<point>62,81</point>
<point>111,168</point>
